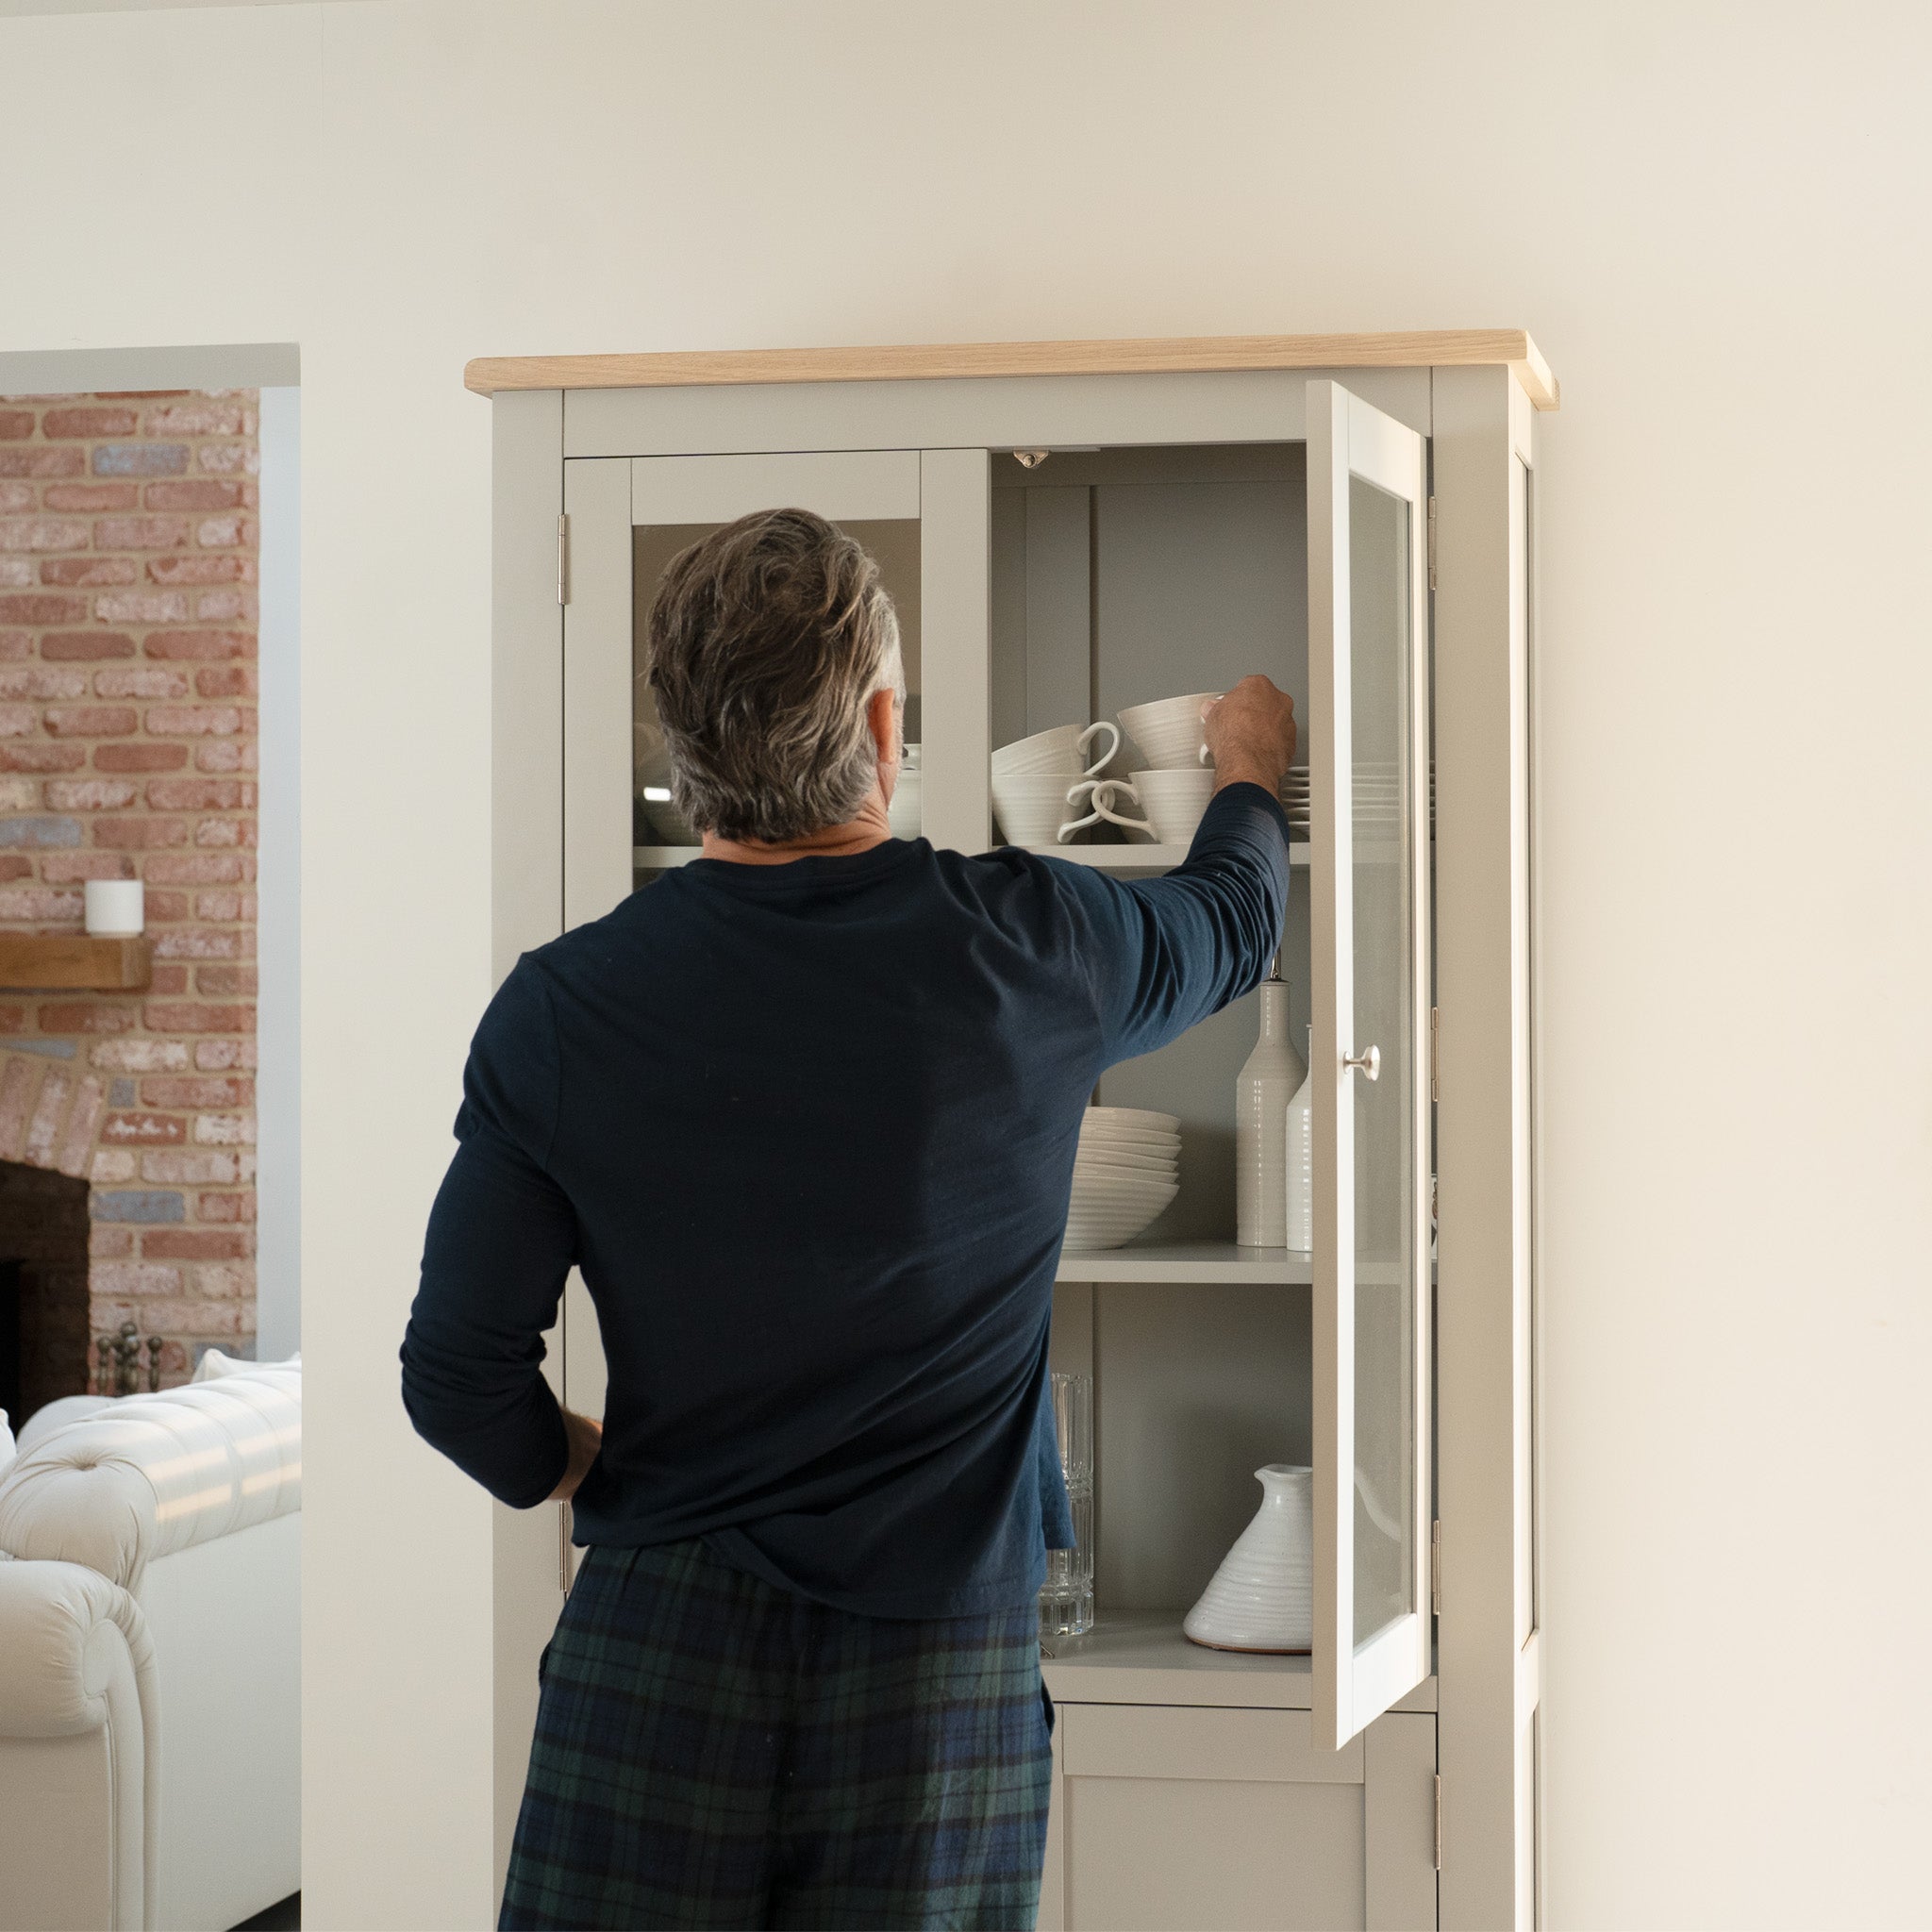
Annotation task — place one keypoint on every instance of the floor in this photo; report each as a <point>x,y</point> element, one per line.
<point>284,1917</point>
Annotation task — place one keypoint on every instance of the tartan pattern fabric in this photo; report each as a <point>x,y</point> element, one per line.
<point>714,1752</point>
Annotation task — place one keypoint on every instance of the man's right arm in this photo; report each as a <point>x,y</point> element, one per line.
<point>1164,954</point>
<point>501,1238</point>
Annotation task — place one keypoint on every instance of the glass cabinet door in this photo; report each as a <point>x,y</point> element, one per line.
<point>628,517</point>
<point>1369,909</point>
<point>921,514</point>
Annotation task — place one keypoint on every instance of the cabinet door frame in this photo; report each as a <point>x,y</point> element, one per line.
<point>1349,439</point>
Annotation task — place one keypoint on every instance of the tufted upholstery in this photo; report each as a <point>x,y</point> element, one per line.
<point>77,1722</point>
<point>150,1660</point>
<point>152,1474</point>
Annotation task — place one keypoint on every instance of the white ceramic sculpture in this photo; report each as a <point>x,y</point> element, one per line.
<point>1262,1597</point>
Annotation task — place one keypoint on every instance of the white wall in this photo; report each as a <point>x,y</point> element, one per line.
<point>1713,218</point>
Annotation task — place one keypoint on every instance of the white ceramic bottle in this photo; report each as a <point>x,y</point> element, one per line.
<point>1301,1164</point>
<point>1261,1094</point>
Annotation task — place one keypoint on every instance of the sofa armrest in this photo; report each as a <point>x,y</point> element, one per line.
<point>76,1659</point>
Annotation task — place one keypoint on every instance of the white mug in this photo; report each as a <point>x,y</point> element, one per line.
<point>114,909</point>
<point>1061,749</point>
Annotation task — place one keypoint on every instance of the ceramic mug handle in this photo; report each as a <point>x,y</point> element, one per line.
<point>1093,787</point>
<point>1086,737</point>
<point>1207,756</point>
<point>1107,793</point>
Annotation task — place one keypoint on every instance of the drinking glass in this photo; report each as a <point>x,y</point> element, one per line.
<point>1066,1598</point>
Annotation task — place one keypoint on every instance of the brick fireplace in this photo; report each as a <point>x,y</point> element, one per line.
<point>127,749</point>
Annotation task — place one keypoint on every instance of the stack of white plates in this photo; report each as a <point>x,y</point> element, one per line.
<point>1378,801</point>
<point>1127,1171</point>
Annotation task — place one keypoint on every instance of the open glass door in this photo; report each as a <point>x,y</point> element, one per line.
<point>1369,909</point>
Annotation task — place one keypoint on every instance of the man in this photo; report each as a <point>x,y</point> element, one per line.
<point>805,1114</point>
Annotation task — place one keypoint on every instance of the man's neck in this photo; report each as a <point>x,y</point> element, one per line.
<point>865,829</point>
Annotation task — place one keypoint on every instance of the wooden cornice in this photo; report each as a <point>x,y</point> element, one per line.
<point>925,361</point>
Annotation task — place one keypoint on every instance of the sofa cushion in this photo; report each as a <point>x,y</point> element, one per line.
<point>214,1365</point>
<point>149,1474</point>
<point>57,1415</point>
<point>9,1449</point>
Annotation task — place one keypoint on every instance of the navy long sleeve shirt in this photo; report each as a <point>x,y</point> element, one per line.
<point>808,1132</point>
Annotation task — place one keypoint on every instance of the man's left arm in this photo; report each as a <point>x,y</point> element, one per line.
<point>502,1239</point>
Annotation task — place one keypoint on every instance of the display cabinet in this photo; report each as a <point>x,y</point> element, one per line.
<point>1069,530</point>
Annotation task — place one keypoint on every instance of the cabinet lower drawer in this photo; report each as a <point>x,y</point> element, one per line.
<point>1192,1818</point>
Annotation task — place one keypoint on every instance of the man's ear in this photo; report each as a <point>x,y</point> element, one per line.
<point>882,719</point>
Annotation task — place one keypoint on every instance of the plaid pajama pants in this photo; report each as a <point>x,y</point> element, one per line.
<point>713,1751</point>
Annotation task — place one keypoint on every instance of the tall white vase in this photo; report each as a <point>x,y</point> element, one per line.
<point>1300,1140</point>
<point>1262,1090</point>
<point>1262,1597</point>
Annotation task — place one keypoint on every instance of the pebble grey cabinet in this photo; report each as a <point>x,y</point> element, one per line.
<point>1069,528</point>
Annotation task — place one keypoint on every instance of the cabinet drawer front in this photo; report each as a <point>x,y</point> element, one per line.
<point>1176,1741</point>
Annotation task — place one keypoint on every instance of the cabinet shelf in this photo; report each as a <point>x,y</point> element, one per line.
<point>1141,1657</point>
<point>1125,859</point>
<point>1184,1261</point>
<point>1137,858</point>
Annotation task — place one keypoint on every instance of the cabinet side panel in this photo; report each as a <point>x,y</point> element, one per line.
<point>527,910</point>
<point>955,568</point>
<point>527,660</point>
<point>1482,1129</point>
<point>1399,1822</point>
<point>1059,679</point>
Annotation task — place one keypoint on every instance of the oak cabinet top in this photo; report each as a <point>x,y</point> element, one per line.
<point>915,361</point>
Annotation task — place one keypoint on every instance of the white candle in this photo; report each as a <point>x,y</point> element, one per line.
<point>114,909</point>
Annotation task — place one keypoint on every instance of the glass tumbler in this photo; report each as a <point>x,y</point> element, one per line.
<point>1066,1598</point>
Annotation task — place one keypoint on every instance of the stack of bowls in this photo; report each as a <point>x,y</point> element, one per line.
<point>1127,1169</point>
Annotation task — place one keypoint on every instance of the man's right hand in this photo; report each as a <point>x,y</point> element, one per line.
<point>584,1435</point>
<point>1250,734</point>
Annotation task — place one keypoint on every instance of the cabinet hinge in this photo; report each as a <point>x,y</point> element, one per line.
<point>563,1528</point>
<point>1435,1060</point>
<point>1436,1569</point>
<point>563,559</point>
<point>1439,1820</point>
<point>1432,543</point>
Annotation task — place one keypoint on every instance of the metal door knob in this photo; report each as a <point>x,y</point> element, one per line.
<point>1369,1063</point>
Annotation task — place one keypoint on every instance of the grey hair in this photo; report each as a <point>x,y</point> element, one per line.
<point>766,642</point>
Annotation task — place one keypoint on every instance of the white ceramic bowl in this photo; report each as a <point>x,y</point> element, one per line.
<point>1125,1166</point>
<point>1170,731</point>
<point>906,813</point>
<point>1131,1141</point>
<point>1125,1191</point>
<point>1143,1117</point>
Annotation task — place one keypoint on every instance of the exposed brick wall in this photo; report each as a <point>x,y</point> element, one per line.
<point>128,549</point>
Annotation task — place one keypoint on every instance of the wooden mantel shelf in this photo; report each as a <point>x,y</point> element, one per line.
<point>35,961</point>
<point>1157,355</point>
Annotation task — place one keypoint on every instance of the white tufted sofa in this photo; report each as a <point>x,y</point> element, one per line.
<point>150,1660</point>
